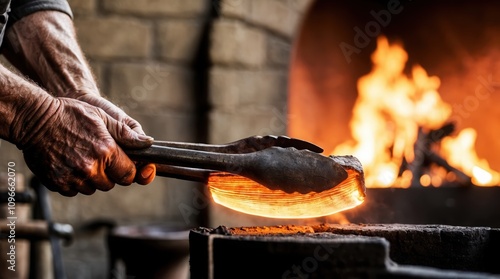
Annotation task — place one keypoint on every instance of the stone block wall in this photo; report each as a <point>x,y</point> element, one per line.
<point>188,70</point>
<point>143,54</point>
<point>250,49</point>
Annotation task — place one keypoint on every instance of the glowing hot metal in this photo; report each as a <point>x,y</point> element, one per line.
<point>269,176</point>
<point>245,195</point>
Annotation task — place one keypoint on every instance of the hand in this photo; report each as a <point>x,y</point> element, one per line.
<point>145,173</point>
<point>44,46</point>
<point>76,148</point>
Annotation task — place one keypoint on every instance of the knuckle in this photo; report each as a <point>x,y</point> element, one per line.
<point>106,187</point>
<point>127,178</point>
<point>68,193</point>
<point>87,170</point>
<point>87,191</point>
<point>106,147</point>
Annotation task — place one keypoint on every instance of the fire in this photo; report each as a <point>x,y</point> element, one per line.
<point>390,110</point>
<point>245,195</point>
<point>467,160</point>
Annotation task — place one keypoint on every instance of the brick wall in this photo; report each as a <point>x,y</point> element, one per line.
<point>250,49</point>
<point>188,70</point>
<point>144,55</point>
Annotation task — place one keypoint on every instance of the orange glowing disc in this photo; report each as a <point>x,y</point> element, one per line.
<point>245,195</point>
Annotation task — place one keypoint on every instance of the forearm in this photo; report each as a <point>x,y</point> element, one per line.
<point>20,101</point>
<point>72,145</point>
<point>45,44</point>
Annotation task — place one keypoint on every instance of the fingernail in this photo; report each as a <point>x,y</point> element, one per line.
<point>145,137</point>
<point>147,172</point>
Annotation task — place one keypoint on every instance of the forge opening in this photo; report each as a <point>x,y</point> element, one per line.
<point>457,47</point>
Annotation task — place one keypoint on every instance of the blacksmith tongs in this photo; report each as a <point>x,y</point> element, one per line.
<point>277,162</point>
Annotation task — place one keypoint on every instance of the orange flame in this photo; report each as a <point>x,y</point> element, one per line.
<point>460,152</point>
<point>387,114</point>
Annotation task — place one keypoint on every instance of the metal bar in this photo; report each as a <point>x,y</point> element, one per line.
<point>38,230</point>
<point>45,214</point>
<point>191,174</point>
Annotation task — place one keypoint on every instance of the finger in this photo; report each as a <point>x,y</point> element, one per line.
<point>120,168</point>
<point>134,125</point>
<point>73,186</point>
<point>84,187</point>
<point>112,111</point>
<point>89,177</point>
<point>124,135</point>
<point>102,182</point>
<point>145,174</point>
<point>52,187</point>
<point>68,193</point>
<point>64,189</point>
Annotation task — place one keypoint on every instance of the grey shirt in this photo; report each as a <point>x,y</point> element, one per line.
<point>13,10</point>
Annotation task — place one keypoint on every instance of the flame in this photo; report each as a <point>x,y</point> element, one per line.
<point>390,109</point>
<point>460,152</point>
<point>245,195</point>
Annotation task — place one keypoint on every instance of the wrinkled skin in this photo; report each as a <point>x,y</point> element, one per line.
<point>78,149</point>
<point>73,141</point>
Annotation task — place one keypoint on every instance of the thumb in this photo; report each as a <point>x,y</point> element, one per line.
<point>124,135</point>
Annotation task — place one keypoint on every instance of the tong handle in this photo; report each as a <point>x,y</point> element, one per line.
<point>183,173</point>
<point>220,148</point>
<point>182,157</point>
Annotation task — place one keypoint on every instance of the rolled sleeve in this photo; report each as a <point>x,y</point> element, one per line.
<point>21,8</point>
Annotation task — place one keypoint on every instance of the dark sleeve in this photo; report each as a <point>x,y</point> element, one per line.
<point>21,8</point>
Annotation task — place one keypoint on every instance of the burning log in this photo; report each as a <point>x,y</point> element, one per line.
<point>425,156</point>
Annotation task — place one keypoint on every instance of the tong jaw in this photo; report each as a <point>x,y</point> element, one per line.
<point>246,145</point>
<point>257,143</point>
<point>249,146</point>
